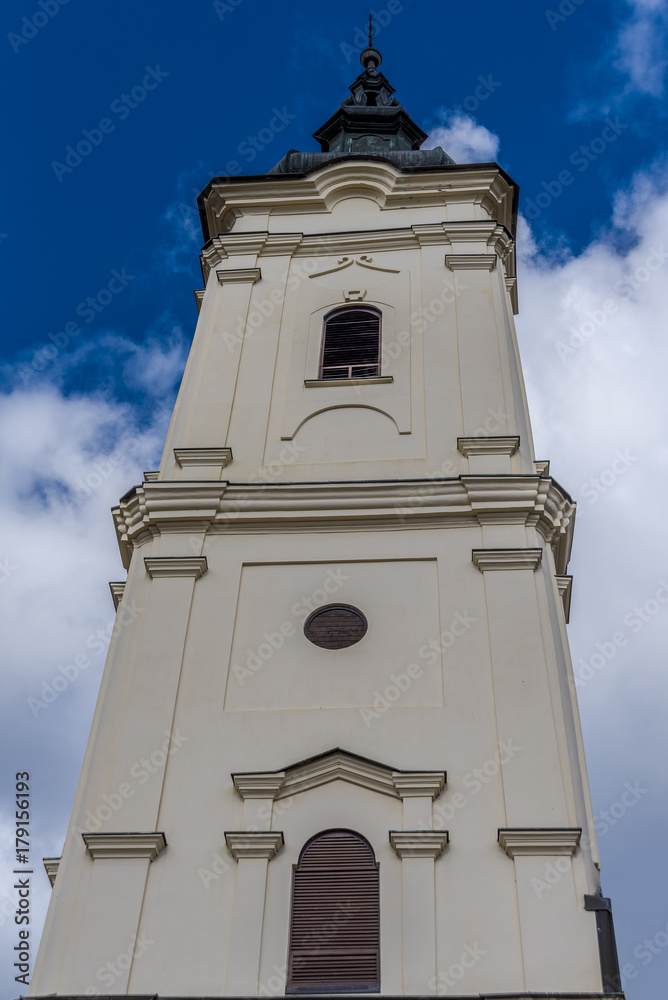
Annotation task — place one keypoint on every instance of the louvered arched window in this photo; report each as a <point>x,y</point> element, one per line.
<point>351,344</point>
<point>335,920</point>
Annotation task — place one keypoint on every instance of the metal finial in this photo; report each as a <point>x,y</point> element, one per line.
<point>371,31</point>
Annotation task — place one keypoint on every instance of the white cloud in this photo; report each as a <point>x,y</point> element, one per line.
<point>641,46</point>
<point>464,139</point>
<point>64,461</point>
<point>592,332</point>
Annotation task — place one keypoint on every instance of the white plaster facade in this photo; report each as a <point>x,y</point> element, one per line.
<point>415,497</point>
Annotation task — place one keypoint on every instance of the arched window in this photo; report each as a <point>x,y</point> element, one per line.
<point>351,344</point>
<point>335,921</point>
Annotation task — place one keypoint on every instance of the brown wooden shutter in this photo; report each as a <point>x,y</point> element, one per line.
<point>351,344</point>
<point>335,920</point>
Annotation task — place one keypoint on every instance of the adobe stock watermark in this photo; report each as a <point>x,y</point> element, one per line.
<point>264,309</point>
<point>266,814</point>
<point>597,319</point>
<point>604,821</point>
<point>88,309</point>
<point>403,681</point>
<point>565,10</point>
<point>121,107</point>
<point>68,673</point>
<point>582,158</point>
<point>485,87</point>
<point>596,486</point>
<point>445,981</point>
<point>635,620</point>
<point>31,26</point>
<point>7,570</point>
<point>648,949</point>
<point>496,422</point>
<point>273,641</point>
<point>473,781</point>
<point>138,775</point>
<point>223,7</point>
<point>381,18</point>
<point>108,973</point>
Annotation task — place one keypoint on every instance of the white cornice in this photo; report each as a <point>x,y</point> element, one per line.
<point>539,841</point>
<point>488,560</point>
<point>375,179</point>
<point>565,587</point>
<point>199,297</point>
<point>470,261</point>
<point>321,383</point>
<point>117,587</point>
<point>169,567</point>
<point>102,846</point>
<point>152,477</point>
<point>153,508</point>
<point>419,843</point>
<point>241,274</point>
<point>186,457</point>
<point>339,765</point>
<point>494,239</point>
<point>488,445</point>
<point>419,784</point>
<point>254,843</point>
<point>51,866</point>
<point>542,468</point>
<point>259,785</point>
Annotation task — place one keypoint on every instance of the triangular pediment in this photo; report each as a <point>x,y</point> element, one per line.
<point>338,765</point>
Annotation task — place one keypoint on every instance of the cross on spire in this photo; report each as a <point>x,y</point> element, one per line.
<point>371,31</point>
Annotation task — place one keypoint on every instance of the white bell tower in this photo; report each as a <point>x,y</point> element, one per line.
<point>337,746</point>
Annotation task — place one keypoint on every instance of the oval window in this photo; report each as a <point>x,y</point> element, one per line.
<point>335,626</point>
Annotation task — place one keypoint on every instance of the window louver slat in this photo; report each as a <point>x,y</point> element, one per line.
<point>351,344</point>
<point>335,924</point>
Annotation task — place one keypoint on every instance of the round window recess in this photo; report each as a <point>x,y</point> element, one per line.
<point>335,626</point>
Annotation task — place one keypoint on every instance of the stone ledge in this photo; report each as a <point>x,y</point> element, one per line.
<point>186,457</point>
<point>419,843</point>
<point>490,560</point>
<point>470,261</point>
<point>51,866</point>
<point>170,567</point>
<point>117,587</point>
<point>254,843</point>
<point>237,275</point>
<point>350,996</point>
<point>540,842</point>
<point>492,445</point>
<point>103,846</point>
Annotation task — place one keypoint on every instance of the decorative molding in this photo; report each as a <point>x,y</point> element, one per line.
<point>419,784</point>
<point>487,445</point>
<point>539,842</point>
<point>102,846</point>
<point>470,261</point>
<point>565,587</point>
<point>506,559</point>
<point>316,383</point>
<point>363,260</point>
<point>338,764</point>
<point>511,282</point>
<point>151,477</point>
<point>51,868</point>
<point>254,843</point>
<point>238,275</point>
<point>419,843</point>
<point>485,185</point>
<point>355,295</point>
<point>217,506</point>
<point>258,785</point>
<point>186,457</point>
<point>117,587</point>
<point>542,468</point>
<point>199,297</point>
<point>170,567</point>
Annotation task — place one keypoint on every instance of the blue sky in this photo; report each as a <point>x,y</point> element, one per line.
<point>100,259</point>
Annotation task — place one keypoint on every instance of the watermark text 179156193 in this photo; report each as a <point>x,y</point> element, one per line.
<point>22,881</point>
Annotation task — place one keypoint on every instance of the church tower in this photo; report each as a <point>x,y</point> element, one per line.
<point>337,745</point>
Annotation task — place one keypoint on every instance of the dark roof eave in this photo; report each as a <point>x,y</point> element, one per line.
<point>440,168</point>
